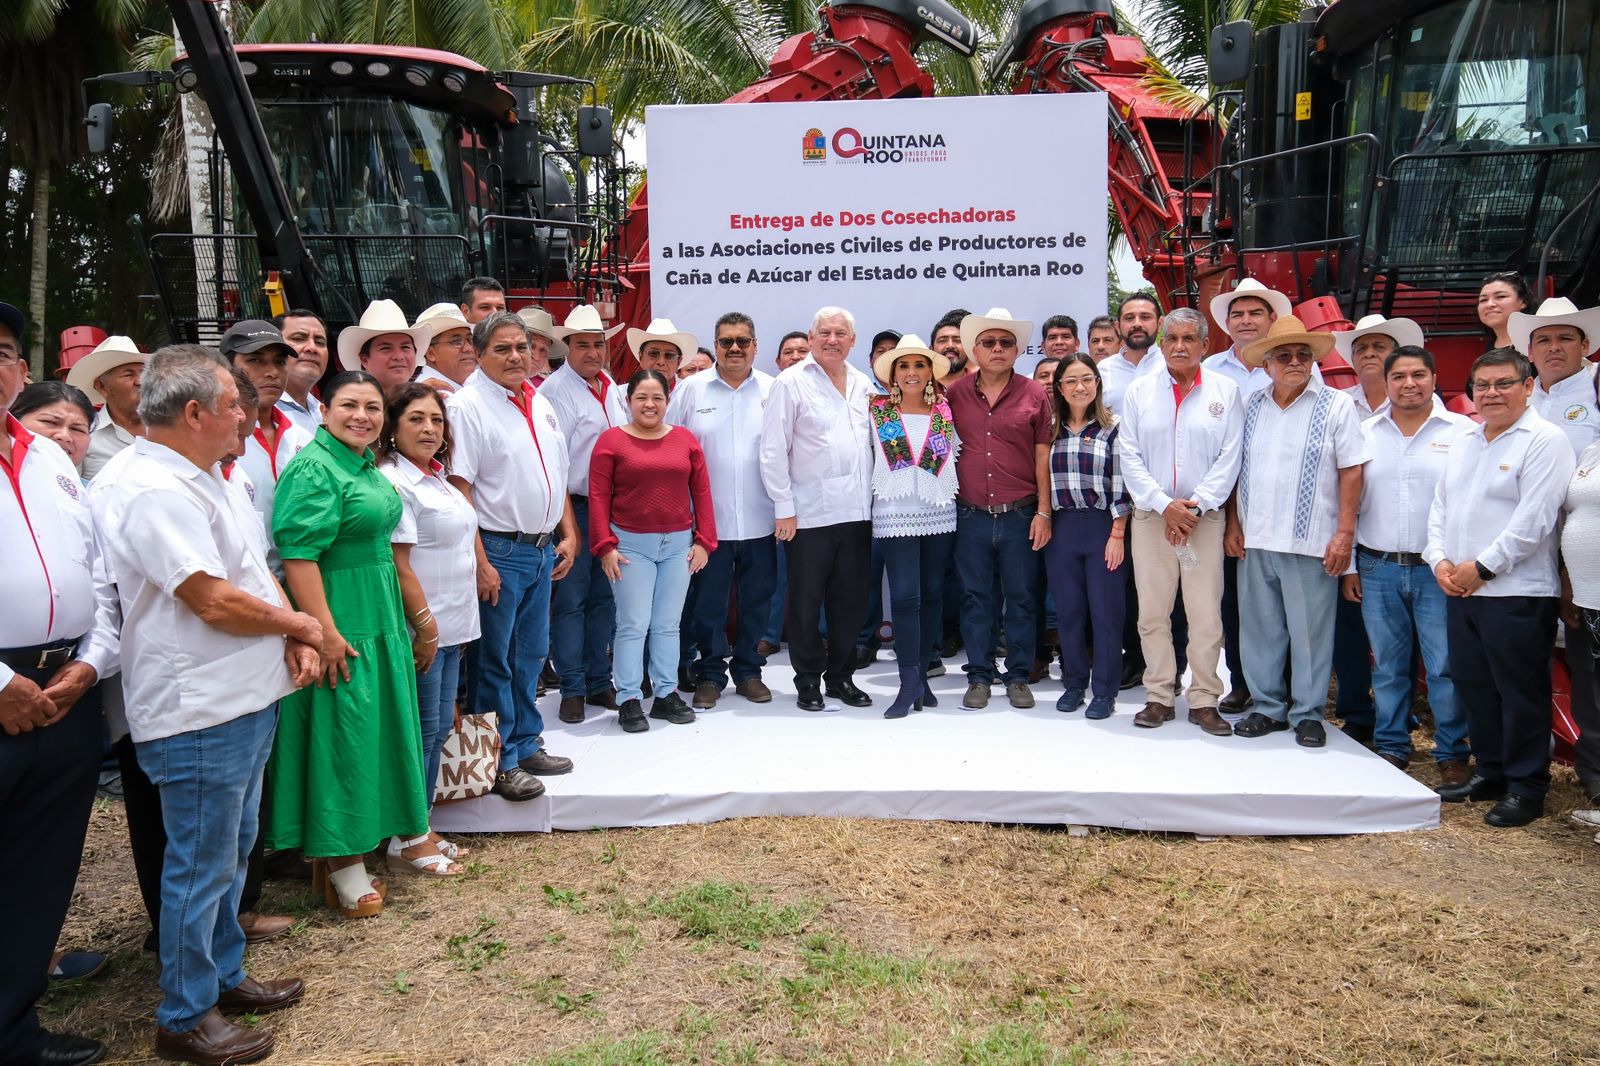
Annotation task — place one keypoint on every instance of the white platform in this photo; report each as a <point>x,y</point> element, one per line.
<point>997,765</point>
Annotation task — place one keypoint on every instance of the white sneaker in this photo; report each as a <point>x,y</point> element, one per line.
<point>1587,818</point>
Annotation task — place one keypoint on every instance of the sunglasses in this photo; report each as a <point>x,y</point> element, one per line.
<point>1286,358</point>
<point>1005,344</point>
<point>735,342</point>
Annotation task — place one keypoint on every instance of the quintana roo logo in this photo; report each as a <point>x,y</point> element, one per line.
<point>1576,413</point>
<point>814,147</point>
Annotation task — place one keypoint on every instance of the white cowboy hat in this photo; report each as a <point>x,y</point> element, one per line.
<point>380,317</point>
<point>910,344</point>
<point>1286,330</point>
<point>1402,331</point>
<point>107,355</point>
<point>539,321</point>
<point>441,318</point>
<point>585,319</point>
<point>1248,287</point>
<point>1556,311</point>
<point>662,329</point>
<point>997,318</point>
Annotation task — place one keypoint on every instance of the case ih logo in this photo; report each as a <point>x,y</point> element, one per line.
<point>850,145</point>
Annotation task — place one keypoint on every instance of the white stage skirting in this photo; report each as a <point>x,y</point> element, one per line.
<point>996,765</point>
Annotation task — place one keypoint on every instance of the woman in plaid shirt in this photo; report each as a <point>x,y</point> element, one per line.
<point>1084,556</point>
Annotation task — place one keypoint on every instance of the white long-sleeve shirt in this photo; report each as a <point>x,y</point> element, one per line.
<point>1571,407</point>
<point>584,414</point>
<point>1400,477</point>
<point>1180,451</point>
<point>814,447</point>
<point>1117,373</point>
<point>1499,503</point>
<point>728,423</point>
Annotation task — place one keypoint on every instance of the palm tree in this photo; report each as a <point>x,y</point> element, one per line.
<point>47,47</point>
<point>480,30</point>
<point>1177,35</point>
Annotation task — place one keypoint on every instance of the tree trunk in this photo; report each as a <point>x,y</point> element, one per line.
<point>36,280</point>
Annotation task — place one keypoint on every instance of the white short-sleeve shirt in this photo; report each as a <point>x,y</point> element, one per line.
<point>161,521</point>
<point>512,452</point>
<point>440,525</point>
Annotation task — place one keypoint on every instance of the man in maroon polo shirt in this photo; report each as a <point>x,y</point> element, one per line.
<point>1004,421</point>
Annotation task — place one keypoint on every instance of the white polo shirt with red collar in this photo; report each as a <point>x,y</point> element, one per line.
<point>262,466</point>
<point>47,582</point>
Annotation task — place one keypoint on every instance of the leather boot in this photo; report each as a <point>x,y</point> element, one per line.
<point>214,1041</point>
<point>908,699</point>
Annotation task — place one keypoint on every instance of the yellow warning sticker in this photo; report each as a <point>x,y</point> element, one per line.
<point>1302,106</point>
<point>1416,101</point>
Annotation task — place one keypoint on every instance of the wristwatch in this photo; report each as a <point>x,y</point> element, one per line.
<point>1484,573</point>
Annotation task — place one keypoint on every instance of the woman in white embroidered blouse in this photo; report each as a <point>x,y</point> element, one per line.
<point>437,567</point>
<point>914,446</point>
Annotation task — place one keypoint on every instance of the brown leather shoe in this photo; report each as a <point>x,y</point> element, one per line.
<point>1020,695</point>
<point>1236,702</point>
<point>1394,760</point>
<point>259,997</point>
<point>1040,671</point>
<point>1208,719</point>
<point>755,690</point>
<point>259,927</point>
<point>706,695</point>
<point>766,648</point>
<point>571,709</point>
<point>215,1042</point>
<point>542,762</point>
<point>977,697</point>
<point>605,699</point>
<point>1453,773</point>
<point>1153,715</point>
<point>517,785</point>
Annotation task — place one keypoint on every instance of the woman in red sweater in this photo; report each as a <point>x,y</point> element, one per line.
<point>651,526</point>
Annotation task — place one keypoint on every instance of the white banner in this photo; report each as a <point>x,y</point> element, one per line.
<point>898,210</point>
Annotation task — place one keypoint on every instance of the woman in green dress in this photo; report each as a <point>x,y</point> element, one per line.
<point>347,764</point>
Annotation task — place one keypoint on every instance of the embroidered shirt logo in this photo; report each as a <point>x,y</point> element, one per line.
<point>1215,408</point>
<point>68,486</point>
<point>550,420</point>
<point>1576,413</point>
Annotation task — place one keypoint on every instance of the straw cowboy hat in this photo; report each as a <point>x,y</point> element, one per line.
<point>1248,287</point>
<point>997,318</point>
<point>1402,331</point>
<point>585,319</point>
<point>662,329</point>
<point>539,321</point>
<point>441,318</point>
<point>380,317</point>
<point>107,355</point>
<point>910,344</point>
<point>1556,311</point>
<point>1286,330</point>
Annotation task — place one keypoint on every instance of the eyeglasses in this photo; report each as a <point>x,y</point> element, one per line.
<point>1286,358</point>
<point>1503,385</point>
<point>454,342</point>
<point>1005,344</point>
<point>1077,383</point>
<point>735,342</point>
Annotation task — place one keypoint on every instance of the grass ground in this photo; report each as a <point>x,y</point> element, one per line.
<point>830,941</point>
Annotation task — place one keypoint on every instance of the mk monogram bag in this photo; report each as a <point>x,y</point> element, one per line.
<point>469,760</point>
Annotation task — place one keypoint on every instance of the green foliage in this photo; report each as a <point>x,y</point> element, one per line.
<point>473,951</point>
<point>728,913</point>
<point>567,898</point>
<point>643,1049</point>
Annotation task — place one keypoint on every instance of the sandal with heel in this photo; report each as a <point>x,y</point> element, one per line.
<point>343,888</point>
<point>432,864</point>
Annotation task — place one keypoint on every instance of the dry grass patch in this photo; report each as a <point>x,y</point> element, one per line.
<point>830,941</point>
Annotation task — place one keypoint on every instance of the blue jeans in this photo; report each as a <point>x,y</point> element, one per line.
<point>515,642</point>
<point>985,544</point>
<point>1397,601</point>
<point>583,619</point>
<point>916,567</point>
<point>780,597</point>
<point>751,567</point>
<point>1286,609</point>
<point>436,704</point>
<point>650,594</point>
<point>210,782</point>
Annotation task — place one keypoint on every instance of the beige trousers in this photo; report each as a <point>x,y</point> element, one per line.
<point>1158,578</point>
